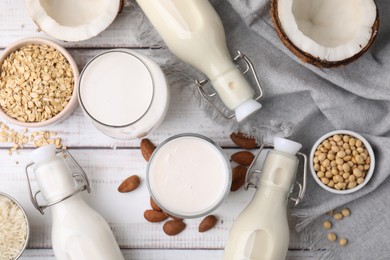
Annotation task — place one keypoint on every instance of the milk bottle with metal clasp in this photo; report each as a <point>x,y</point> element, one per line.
<point>194,32</point>
<point>261,231</point>
<point>78,231</point>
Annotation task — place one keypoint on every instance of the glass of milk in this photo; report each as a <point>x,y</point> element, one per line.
<point>123,93</point>
<point>188,176</point>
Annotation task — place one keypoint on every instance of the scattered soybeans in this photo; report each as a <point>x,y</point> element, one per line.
<point>341,162</point>
<point>345,212</point>
<point>338,216</point>
<point>343,242</point>
<point>332,236</point>
<point>327,225</point>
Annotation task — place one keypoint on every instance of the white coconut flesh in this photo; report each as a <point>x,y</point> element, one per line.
<point>73,20</point>
<point>331,30</point>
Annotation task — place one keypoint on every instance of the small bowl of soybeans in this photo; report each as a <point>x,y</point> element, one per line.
<point>342,161</point>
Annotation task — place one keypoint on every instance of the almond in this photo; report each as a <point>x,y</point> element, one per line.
<point>154,215</point>
<point>243,158</point>
<point>244,141</point>
<point>174,227</point>
<point>154,205</point>
<point>147,148</point>
<point>236,185</point>
<point>130,184</point>
<point>207,223</point>
<point>239,172</point>
<point>174,217</point>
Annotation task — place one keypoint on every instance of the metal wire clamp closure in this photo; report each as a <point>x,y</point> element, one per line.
<point>248,68</point>
<point>81,174</point>
<point>253,175</point>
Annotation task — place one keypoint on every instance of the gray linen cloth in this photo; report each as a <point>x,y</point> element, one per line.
<point>355,97</point>
<point>315,101</point>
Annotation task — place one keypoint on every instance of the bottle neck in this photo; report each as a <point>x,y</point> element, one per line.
<point>54,179</point>
<point>279,171</point>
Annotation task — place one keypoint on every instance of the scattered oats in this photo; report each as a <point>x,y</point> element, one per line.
<point>20,139</point>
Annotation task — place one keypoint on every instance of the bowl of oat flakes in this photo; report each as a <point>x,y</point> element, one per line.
<point>38,83</point>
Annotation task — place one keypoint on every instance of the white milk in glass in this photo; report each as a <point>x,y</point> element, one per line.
<point>124,93</point>
<point>188,176</point>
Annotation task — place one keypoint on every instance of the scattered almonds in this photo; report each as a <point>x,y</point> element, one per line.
<point>341,162</point>
<point>155,216</point>
<point>243,158</point>
<point>154,205</point>
<point>36,83</point>
<point>207,223</point>
<point>147,148</point>
<point>129,184</point>
<point>173,227</point>
<point>243,141</point>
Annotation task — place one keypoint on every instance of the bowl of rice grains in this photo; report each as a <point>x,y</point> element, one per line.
<point>38,81</point>
<point>14,228</point>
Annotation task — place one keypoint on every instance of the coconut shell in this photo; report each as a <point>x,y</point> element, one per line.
<point>307,57</point>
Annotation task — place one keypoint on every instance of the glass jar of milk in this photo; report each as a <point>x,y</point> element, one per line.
<point>188,176</point>
<point>124,93</point>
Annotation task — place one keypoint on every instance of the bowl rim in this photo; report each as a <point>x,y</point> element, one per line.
<point>27,222</point>
<point>73,100</point>
<point>369,150</point>
<point>226,187</point>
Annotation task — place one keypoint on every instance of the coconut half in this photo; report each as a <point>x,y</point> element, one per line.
<point>73,20</point>
<point>326,33</point>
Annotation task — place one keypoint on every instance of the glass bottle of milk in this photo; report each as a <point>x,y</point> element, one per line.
<point>78,231</point>
<point>261,231</point>
<point>194,32</point>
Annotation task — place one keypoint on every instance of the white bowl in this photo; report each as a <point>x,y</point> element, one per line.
<point>368,174</point>
<point>71,106</point>
<point>25,242</point>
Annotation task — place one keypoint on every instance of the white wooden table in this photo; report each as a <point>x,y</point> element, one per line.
<point>108,161</point>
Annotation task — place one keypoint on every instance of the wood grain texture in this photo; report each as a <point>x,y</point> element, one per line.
<point>151,254</point>
<point>15,23</point>
<point>106,169</point>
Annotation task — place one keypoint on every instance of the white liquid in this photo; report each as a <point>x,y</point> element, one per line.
<point>116,88</point>
<point>194,32</point>
<point>188,175</point>
<point>261,231</point>
<point>78,231</point>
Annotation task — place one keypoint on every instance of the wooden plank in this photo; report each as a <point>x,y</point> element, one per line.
<point>184,115</point>
<point>15,23</point>
<point>152,254</point>
<point>106,169</point>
